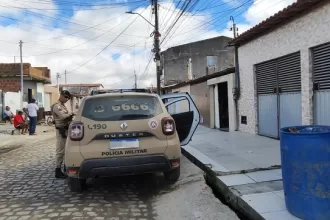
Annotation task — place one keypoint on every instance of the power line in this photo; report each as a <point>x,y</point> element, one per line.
<point>75,32</point>
<point>178,19</point>
<point>80,4</point>
<point>116,56</point>
<point>105,46</point>
<point>209,23</point>
<point>81,43</point>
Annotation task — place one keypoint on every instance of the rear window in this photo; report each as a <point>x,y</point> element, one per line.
<point>118,108</point>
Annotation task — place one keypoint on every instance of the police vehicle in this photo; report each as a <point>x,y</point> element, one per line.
<point>127,132</point>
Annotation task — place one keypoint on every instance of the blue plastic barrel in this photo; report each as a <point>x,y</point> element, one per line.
<point>305,156</point>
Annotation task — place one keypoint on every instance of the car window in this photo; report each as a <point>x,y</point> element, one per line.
<point>117,108</point>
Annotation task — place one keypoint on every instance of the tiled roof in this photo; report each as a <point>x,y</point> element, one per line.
<point>280,18</point>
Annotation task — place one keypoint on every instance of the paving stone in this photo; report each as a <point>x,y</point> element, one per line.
<point>87,209</point>
<point>12,218</point>
<point>5,210</point>
<point>67,205</point>
<point>30,190</point>
<point>23,213</point>
<point>53,215</point>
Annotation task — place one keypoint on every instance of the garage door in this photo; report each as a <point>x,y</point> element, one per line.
<point>289,82</point>
<point>279,94</point>
<point>266,74</point>
<point>321,74</point>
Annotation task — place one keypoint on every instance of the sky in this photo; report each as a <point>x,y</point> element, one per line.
<point>97,42</point>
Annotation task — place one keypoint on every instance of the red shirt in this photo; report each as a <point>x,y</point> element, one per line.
<point>18,119</point>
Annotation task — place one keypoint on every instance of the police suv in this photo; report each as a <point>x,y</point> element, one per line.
<point>125,132</point>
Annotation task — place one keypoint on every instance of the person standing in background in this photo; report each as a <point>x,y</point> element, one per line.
<point>32,111</point>
<point>26,117</point>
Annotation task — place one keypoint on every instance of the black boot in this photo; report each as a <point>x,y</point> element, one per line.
<point>59,174</point>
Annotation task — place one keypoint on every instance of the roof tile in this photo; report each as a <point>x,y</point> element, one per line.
<point>280,18</point>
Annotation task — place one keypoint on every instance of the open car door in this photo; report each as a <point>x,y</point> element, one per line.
<point>185,114</point>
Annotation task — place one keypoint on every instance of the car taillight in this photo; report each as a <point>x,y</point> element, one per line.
<point>76,131</point>
<point>168,126</point>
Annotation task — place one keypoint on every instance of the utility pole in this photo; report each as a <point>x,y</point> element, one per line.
<point>135,80</point>
<point>22,86</point>
<point>156,50</point>
<point>233,28</point>
<point>65,77</point>
<point>57,81</point>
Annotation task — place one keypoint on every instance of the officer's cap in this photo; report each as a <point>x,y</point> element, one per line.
<point>66,93</point>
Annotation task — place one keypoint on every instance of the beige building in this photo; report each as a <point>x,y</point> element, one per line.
<point>51,96</point>
<point>78,91</point>
<point>213,97</point>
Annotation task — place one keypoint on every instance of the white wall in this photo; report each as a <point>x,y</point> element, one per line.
<point>182,106</point>
<point>230,79</point>
<point>299,35</point>
<point>12,99</point>
<point>47,103</point>
<point>40,89</point>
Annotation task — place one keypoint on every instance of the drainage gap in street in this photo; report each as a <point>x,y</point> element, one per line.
<point>219,196</point>
<point>240,214</point>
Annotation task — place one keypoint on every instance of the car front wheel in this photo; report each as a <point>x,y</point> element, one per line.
<point>172,175</point>
<point>76,185</point>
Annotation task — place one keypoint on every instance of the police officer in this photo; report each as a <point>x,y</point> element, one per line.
<point>62,119</point>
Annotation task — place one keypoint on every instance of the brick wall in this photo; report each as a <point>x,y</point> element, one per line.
<point>10,85</point>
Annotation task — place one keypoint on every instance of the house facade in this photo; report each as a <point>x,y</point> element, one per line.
<point>51,96</point>
<point>197,59</point>
<point>78,91</point>
<point>34,79</point>
<point>284,70</point>
<point>188,67</point>
<point>213,97</point>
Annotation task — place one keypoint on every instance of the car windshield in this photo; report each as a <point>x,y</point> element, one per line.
<point>116,108</point>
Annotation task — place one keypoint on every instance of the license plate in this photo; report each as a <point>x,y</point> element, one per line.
<point>124,144</point>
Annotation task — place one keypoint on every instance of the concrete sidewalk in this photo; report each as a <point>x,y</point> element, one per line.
<point>244,169</point>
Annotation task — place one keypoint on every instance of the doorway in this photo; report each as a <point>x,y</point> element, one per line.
<point>223,106</point>
<point>29,95</point>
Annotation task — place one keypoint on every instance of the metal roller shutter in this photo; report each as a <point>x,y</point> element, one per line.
<point>279,94</point>
<point>289,73</point>
<point>267,98</point>
<point>289,82</point>
<point>321,76</point>
<point>266,77</point>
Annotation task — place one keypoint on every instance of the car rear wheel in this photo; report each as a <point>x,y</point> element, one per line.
<point>172,175</point>
<point>76,185</point>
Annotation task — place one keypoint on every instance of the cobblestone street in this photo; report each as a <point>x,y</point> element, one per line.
<point>29,190</point>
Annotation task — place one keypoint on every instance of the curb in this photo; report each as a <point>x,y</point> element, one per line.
<point>235,202</point>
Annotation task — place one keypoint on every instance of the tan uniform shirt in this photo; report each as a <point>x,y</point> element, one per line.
<point>60,114</point>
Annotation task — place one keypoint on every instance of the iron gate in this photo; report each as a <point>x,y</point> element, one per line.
<point>279,94</point>
<point>321,75</point>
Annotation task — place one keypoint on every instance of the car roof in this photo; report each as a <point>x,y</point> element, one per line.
<point>121,94</point>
